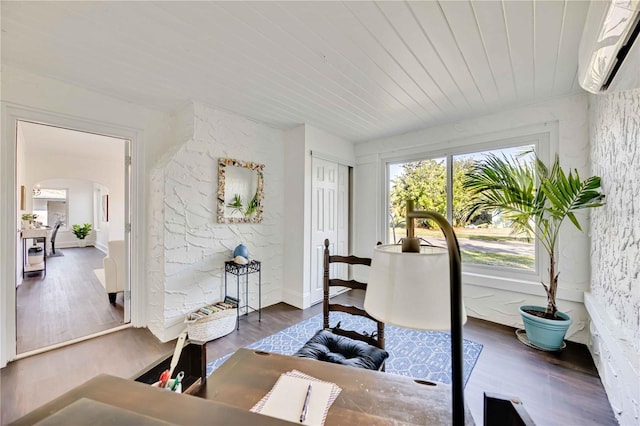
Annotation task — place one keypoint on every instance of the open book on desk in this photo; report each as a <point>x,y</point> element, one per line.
<point>286,399</point>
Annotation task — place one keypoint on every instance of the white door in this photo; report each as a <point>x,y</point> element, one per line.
<point>329,219</point>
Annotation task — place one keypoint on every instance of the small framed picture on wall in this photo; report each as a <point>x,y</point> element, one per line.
<point>105,208</point>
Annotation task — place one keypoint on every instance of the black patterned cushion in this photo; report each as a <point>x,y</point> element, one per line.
<point>329,347</point>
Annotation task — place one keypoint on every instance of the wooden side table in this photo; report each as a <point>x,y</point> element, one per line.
<point>231,267</point>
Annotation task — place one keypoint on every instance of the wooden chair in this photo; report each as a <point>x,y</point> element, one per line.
<point>339,345</point>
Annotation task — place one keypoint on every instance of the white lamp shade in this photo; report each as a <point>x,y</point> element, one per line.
<point>410,290</point>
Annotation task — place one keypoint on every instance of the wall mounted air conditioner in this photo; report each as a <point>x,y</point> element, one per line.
<point>609,57</point>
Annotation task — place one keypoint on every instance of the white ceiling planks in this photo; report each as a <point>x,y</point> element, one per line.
<point>432,19</point>
<point>519,22</point>
<point>269,69</point>
<point>360,70</point>
<point>567,68</point>
<point>221,68</point>
<point>427,61</point>
<point>383,32</point>
<point>357,28</point>
<point>295,61</point>
<point>490,21</point>
<point>393,99</point>
<point>465,29</point>
<point>548,35</point>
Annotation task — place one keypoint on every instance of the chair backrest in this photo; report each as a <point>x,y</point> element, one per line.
<point>55,230</point>
<point>375,339</point>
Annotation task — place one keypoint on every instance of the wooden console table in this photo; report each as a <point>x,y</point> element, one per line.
<point>367,397</point>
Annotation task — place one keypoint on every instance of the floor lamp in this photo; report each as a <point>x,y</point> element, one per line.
<point>421,288</point>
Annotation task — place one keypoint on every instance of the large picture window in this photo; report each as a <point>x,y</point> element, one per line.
<point>436,183</point>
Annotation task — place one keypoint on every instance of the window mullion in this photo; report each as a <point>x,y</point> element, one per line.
<point>449,164</point>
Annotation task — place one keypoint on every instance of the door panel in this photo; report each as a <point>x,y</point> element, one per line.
<point>329,219</point>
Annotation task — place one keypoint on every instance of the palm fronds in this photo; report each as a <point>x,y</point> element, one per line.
<point>535,199</point>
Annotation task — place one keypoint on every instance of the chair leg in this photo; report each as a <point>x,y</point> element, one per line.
<point>53,247</point>
<point>112,298</point>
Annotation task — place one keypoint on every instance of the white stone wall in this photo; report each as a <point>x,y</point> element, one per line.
<point>188,246</point>
<point>615,138</point>
<point>614,302</point>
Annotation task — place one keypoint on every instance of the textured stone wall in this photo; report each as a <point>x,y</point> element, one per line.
<point>614,300</point>
<point>188,247</point>
<point>615,259</point>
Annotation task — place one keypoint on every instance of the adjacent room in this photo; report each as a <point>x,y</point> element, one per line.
<point>201,196</point>
<point>76,204</point>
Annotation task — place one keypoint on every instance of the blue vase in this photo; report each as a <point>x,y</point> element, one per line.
<point>241,250</point>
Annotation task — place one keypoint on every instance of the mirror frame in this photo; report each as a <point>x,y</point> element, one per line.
<point>256,217</point>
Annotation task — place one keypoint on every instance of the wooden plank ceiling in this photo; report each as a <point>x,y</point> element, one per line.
<point>360,70</point>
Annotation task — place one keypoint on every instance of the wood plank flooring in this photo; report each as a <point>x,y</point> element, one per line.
<point>556,389</point>
<point>67,303</point>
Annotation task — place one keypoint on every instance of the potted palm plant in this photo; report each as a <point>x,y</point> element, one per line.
<point>81,232</point>
<point>536,200</point>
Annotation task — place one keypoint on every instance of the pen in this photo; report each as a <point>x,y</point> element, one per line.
<point>177,381</point>
<point>305,406</point>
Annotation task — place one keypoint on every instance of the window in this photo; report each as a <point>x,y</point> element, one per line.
<point>50,205</point>
<point>436,184</point>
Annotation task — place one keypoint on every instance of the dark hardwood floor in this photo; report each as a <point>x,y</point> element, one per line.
<point>67,303</point>
<point>556,389</point>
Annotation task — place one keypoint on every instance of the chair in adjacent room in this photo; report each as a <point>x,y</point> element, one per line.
<point>339,345</point>
<point>54,234</point>
<point>114,269</point>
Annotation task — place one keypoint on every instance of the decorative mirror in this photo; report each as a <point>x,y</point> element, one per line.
<point>240,191</point>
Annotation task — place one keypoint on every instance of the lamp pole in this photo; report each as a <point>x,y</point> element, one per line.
<point>455,277</point>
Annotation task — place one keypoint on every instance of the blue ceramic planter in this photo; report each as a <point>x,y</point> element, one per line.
<point>544,333</point>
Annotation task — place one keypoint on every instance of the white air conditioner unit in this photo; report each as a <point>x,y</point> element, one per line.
<point>609,60</point>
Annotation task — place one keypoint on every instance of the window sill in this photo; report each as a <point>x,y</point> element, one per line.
<point>519,286</point>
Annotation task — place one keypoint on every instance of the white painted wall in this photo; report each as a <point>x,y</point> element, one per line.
<point>188,246</point>
<point>108,175</point>
<point>614,300</point>
<point>300,143</point>
<point>486,298</point>
<point>32,96</point>
<point>297,219</point>
<point>80,208</point>
<point>330,146</point>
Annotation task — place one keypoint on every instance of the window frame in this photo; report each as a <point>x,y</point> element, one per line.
<point>544,137</point>
<point>65,226</point>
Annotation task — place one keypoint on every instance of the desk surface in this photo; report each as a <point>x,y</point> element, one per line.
<point>35,233</point>
<point>367,397</point>
<point>108,400</point>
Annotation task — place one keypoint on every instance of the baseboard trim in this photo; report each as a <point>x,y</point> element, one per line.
<point>296,298</point>
<point>71,342</point>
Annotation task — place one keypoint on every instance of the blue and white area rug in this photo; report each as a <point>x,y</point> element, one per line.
<point>420,354</point>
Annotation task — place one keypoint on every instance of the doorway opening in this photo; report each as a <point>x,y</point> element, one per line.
<point>74,193</point>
